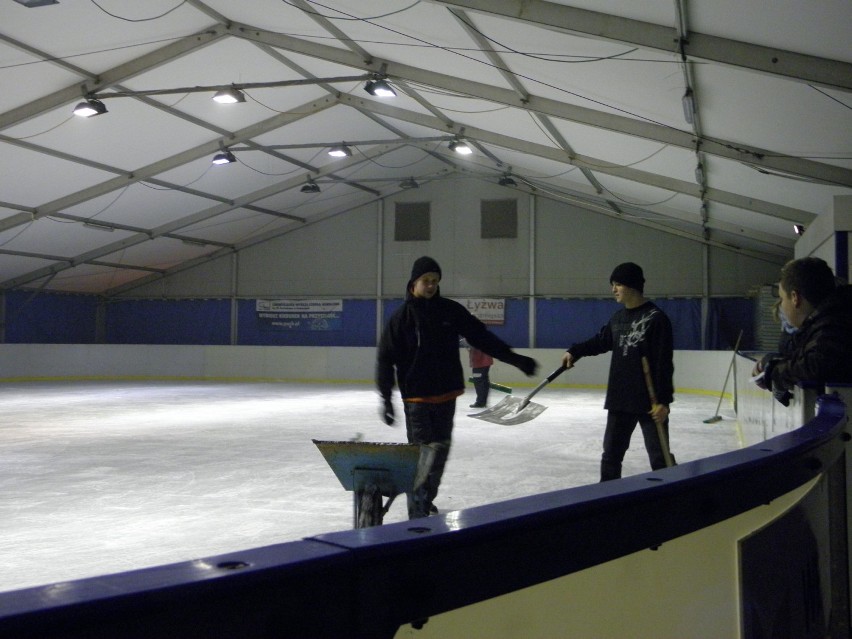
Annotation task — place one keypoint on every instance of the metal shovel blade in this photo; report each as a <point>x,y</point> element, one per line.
<point>514,410</point>
<point>509,412</point>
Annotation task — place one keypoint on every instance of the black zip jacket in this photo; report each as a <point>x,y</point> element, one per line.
<point>421,341</point>
<point>820,350</point>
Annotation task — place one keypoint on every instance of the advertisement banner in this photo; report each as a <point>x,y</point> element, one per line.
<point>300,315</point>
<point>489,310</point>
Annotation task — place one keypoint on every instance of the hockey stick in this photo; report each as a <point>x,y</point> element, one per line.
<point>717,417</point>
<point>495,386</point>
<point>649,383</point>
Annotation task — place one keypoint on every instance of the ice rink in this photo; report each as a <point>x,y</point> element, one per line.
<point>104,477</point>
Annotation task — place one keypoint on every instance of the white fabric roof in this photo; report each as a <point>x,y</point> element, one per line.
<point>581,101</point>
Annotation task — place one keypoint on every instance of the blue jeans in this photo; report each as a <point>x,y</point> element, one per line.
<point>429,424</point>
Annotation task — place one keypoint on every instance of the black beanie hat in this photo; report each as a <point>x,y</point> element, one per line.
<point>629,274</point>
<point>423,265</point>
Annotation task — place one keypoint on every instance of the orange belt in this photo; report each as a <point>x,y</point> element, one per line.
<point>435,399</point>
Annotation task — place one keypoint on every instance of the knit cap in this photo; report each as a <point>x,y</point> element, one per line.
<point>629,274</point>
<point>424,265</point>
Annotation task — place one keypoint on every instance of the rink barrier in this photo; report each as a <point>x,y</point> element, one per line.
<point>146,362</point>
<point>519,556</point>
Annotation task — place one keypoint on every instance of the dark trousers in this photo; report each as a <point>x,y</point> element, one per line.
<point>619,430</point>
<point>480,383</point>
<point>430,424</point>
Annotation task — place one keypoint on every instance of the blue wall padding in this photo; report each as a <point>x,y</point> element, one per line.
<point>514,331</point>
<point>199,322</point>
<point>726,317</point>
<point>561,323</point>
<point>358,328</point>
<point>685,315</point>
<point>50,318</point>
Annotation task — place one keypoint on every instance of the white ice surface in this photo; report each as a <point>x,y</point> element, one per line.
<point>104,477</point>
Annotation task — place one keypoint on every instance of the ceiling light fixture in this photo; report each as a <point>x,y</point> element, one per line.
<point>340,151</point>
<point>410,183</point>
<point>229,96</point>
<point>798,229</point>
<point>507,180</point>
<point>90,107</point>
<point>461,147</point>
<point>699,173</point>
<point>99,226</point>
<point>190,242</point>
<point>36,3</point>
<point>688,102</point>
<point>310,187</point>
<point>380,88</point>
<point>224,157</point>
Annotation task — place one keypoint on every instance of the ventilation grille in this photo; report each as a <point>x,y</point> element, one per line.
<point>413,222</point>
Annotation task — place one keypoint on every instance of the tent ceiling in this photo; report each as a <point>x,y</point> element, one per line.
<point>579,101</point>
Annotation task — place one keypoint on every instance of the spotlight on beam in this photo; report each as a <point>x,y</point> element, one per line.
<point>340,151</point>
<point>88,108</point>
<point>461,147</point>
<point>310,187</point>
<point>229,96</point>
<point>224,157</point>
<point>379,88</point>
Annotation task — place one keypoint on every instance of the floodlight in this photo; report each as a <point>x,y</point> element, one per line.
<point>379,88</point>
<point>688,102</point>
<point>229,96</point>
<point>224,157</point>
<point>340,151</point>
<point>88,108</point>
<point>461,147</point>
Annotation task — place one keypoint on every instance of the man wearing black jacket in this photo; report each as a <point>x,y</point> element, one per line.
<point>421,344</point>
<point>821,311</point>
<point>639,329</point>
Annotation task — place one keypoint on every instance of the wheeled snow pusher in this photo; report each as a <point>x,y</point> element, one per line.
<point>375,470</point>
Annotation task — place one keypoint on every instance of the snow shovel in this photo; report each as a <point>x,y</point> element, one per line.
<point>514,410</point>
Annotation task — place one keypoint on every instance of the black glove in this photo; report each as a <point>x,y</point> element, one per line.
<point>783,396</point>
<point>386,411</point>
<point>526,365</point>
<point>763,369</point>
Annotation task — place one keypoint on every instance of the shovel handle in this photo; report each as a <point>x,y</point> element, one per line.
<point>649,382</point>
<point>543,383</point>
<point>553,376</point>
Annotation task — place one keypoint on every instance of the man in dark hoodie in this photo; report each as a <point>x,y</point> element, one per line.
<point>821,311</point>
<point>421,342</point>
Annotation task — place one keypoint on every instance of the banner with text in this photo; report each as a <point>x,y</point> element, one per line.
<point>300,315</point>
<point>489,310</point>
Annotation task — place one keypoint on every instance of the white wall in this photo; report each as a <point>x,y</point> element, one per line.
<point>574,252</point>
<point>819,239</point>
<point>702,370</point>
